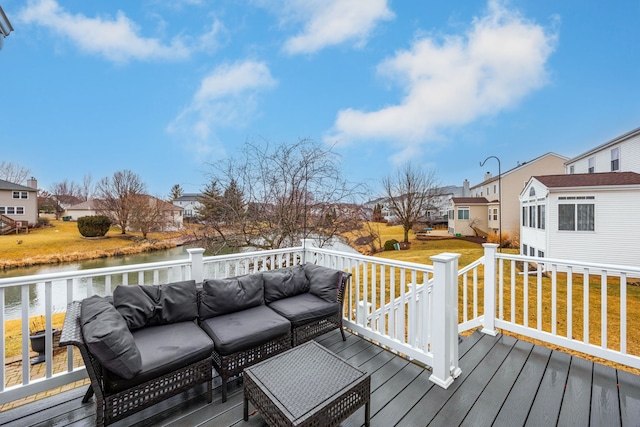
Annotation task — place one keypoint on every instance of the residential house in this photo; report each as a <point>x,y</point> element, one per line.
<point>87,208</point>
<point>190,203</point>
<point>172,215</point>
<point>621,154</point>
<point>499,196</point>
<point>590,217</point>
<point>435,213</point>
<point>19,202</point>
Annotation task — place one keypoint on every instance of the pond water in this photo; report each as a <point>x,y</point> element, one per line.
<point>13,296</point>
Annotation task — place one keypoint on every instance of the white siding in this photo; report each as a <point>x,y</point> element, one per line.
<point>629,158</point>
<point>617,230</point>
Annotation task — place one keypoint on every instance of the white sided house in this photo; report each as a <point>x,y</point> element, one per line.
<point>621,154</point>
<point>591,217</point>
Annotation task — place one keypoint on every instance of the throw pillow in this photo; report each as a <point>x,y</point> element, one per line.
<point>323,281</point>
<point>284,282</point>
<point>107,337</point>
<point>222,296</point>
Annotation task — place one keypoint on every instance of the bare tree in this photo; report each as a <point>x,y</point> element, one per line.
<point>13,172</point>
<point>116,196</point>
<point>86,188</point>
<point>277,194</point>
<point>409,191</point>
<point>147,214</point>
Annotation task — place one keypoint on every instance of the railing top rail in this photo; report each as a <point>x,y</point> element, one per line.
<point>572,263</point>
<point>476,263</point>
<point>104,271</point>
<point>228,257</point>
<point>376,260</point>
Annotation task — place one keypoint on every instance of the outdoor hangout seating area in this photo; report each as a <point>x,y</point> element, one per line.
<point>411,344</point>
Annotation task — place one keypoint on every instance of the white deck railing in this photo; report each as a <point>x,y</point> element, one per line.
<point>408,299</point>
<point>586,307</point>
<point>415,310</point>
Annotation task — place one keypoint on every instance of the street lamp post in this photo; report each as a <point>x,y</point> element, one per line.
<point>499,195</point>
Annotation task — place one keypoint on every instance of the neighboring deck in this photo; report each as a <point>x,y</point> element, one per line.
<point>504,382</point>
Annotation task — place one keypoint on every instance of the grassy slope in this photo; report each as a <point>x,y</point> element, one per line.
<point>63,242</point>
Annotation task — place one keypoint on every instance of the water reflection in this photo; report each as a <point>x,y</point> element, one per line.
<point>84,287</point>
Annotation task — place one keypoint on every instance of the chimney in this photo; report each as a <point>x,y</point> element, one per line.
<point>487,176</point>
<point>465,188</point>
<point>33,183</point>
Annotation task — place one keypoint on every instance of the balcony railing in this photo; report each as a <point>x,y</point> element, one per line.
<point>415,310</point>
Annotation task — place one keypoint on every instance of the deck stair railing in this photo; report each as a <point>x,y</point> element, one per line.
<point>7,225</point>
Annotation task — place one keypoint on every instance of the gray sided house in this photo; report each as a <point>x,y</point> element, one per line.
<point>19,202</point>
<point>590,217</point>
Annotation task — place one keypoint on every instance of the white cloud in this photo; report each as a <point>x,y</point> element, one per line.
<point>452,82</point>
<point>117,39</point>
<point>332,22</point>
<point>226,97</point>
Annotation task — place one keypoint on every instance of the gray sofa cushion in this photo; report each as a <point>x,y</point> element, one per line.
<point>156,305</point>
<point>106,335</point>
<point>284,282</point>
<point>304,308</point>
<point>245,329</point>
<point>222,296</point>
<point>323,281</point>
<point>164,349</point>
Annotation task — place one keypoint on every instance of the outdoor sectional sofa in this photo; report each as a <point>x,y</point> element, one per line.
<point>147,343</point>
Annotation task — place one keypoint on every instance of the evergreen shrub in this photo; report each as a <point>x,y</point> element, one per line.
<point>389,245</point>
<point>94,226</point>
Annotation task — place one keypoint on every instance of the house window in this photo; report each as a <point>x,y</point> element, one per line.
<point>495,214</point>
<point>20,195</point>
<point>2,210</point>
<point>20,210</point>
<point>488,192</point>
<point>532,216</point>
<point>532,251</point>
<point>541,213</point>
<point>525,216</point>
<point>463,212</point>
<point>615,159</point>
<point>524,249</point>
<point>580,217</point>
<point>495,188</point>
<point>540,254</point>
<point>11,210</point>
<point>532,192</point>
<point>592,164</point>
<point>450,214</point>
<point>572,169</point>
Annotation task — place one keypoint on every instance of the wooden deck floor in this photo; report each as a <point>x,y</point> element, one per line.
<point>504,382</point>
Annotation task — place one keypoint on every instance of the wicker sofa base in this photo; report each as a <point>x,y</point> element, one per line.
<point>122,404</point>
<point>303,333</point>
<point>233,364</point>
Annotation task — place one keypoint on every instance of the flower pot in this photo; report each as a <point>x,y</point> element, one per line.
<point>38,345</point>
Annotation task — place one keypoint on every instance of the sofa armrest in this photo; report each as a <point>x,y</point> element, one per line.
<point>343,286</point>
<point>71,329</point>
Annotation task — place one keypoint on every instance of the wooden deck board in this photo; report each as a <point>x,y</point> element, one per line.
<point>504,382</point>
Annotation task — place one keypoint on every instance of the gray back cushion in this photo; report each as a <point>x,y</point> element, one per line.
<point>108,338</point>
<point>156,305</point>
<point>284,282</point>
<point>222,296</point>
<point>323,281</point>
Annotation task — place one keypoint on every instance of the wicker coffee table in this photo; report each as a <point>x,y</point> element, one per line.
<point>306,386</point>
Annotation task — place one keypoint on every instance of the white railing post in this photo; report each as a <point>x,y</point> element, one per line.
<point>306,243</point>
<point>197,265</point>
<point>444,324</point>
<point>489,323</point>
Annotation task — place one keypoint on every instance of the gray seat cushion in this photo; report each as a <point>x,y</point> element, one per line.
<point>305,308</point>
<point>245,329</point>
<point>107,337</point>
<point>158,304</point>
<point>163,349</point>
<point>222,296</point>
<point>284,282</point>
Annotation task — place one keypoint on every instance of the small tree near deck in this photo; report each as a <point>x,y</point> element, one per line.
<point>409,191</point>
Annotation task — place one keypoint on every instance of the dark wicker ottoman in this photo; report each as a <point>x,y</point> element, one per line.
<point>306,386</point>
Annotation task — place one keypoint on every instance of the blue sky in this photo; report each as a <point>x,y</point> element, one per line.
<point>164,88</point>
